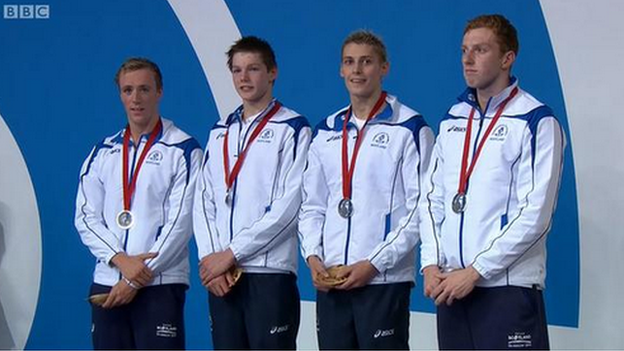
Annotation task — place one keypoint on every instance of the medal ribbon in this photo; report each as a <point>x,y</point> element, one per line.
<point>464,174</point>
<point>129,187</point>
<point>347,172</point>
<point>230,177</point>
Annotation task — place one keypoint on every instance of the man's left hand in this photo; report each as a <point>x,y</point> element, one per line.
<point>455,285</point>
<point>216,264</point>
<point>357,274</point>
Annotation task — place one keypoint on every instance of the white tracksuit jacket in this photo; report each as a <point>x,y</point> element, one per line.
<point>260,227</point>
<point>162,204</point>
<point>511,195</point>
<point>385,191</point>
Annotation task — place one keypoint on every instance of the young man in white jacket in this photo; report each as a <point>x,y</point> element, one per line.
<point>246,206</point>
<point>133,212</point>
<point>488,202</point>
<point>363,216</point>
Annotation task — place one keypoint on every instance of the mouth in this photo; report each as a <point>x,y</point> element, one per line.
<point>357,80</point>
<point>469,72</point>
<point>245,88</point>
<point>137,109</point>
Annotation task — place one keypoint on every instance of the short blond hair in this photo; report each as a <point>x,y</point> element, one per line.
<point>369,38</point>
<point>136,63</point>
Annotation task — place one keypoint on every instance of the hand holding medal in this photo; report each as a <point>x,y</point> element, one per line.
<point>98,299</point>
<point>333,277</point>
<point>236,273</point>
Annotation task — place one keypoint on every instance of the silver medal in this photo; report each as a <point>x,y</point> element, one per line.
<point>228,198</point>
<point>459,203</point>
<point>345,208</point>
<point>125,219</point>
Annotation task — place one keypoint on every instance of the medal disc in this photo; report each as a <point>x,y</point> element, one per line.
<point>332,279</point>
<point>237,272</point>
<point>228,198</point>
<point>459,203</point>
<point>125,219</point>
<point>345,208</point>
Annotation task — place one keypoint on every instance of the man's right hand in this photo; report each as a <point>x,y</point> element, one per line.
<point>133,268</point>
<point>221,285</point>
<point>120,294</point>
<point>432,278</point>
<point>317,269</point>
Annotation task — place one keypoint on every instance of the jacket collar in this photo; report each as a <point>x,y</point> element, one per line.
<point>237,115</point>
<point>385,115</point>
<point>469,96</point>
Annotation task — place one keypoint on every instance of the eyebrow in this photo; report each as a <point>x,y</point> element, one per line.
<point>353,57</point>
<point>477,44</point>
<point>133,86</point>
<point>251,64</point>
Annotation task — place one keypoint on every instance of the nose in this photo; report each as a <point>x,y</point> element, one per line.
<point>244,75</point>
<point>135,97</point>
<point>467,57</point>
<point>357,67</point>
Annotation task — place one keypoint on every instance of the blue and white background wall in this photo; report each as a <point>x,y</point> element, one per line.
<point>57,99</point>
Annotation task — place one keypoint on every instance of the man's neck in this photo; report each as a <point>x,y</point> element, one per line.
<point>252,108</point>
<point>484,95</point>
<point>137,130</point>
<point>362,106</point>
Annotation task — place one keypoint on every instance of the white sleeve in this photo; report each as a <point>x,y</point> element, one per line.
<point>204,212</point>
<point>89,218</point>
<point>279,223</point>
<point>432,209</point>
<point>402,239</point>
<point>313,207</point>
<point>178,228</point>
<point>539,175</point>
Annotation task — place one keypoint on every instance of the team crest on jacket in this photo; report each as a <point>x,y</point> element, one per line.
<point>500,133</point>
<point>266,136</point>
<point>381,140</point>
<point>154,157</point>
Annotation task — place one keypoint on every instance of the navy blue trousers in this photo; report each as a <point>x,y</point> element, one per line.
<point>370,317</point>
<point>153,320</point>
<point>262,311</point>
<point>507,317</point>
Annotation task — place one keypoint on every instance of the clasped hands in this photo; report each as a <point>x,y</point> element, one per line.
<point>215,272</point>
<point>451,286</point>
<point>357,275</point>
<point>135,274</point>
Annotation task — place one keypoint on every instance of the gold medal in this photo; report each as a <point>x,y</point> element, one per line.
<point>333,280</point>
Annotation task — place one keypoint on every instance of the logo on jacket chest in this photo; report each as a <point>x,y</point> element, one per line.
<point>154,157</point>
<point>266,136</point>
<point>500,133</point>
<point>334,137</point>
<point>381,140</point>
<point>456,129</point>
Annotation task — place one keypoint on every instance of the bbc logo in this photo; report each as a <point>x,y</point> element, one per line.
<point>26,11</point>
